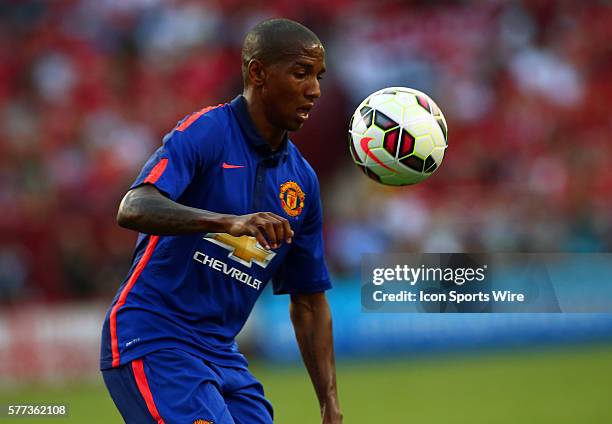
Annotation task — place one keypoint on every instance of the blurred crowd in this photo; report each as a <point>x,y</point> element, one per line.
<point>89,87</point>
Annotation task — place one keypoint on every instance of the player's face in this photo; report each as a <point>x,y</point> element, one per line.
<point>293,86</point>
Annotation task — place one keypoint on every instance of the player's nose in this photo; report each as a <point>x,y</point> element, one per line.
<point>313,90</point>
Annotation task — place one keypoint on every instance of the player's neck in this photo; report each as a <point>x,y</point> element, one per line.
<point>274,136</point>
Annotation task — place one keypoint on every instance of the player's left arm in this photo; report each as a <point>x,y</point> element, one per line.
<point>312,323</point>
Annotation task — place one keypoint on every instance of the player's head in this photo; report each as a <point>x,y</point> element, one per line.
<point>282,62</point>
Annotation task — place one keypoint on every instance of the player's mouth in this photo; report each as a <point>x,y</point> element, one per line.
<point>303,112</point>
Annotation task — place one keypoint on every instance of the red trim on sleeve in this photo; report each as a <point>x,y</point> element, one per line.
<point>126,290</point>
<point>145,390</point>
<point>156,172</point>
<point>187,122</point>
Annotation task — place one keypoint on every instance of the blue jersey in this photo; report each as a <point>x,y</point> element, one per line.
<point>194,292</point>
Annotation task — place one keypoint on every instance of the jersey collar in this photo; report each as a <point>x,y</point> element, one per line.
<point>252,135</point>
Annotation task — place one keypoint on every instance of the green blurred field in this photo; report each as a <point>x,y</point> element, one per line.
<point>572,386</point>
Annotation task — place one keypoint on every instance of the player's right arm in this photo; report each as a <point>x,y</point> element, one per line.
<point>146,210</point>
<point>151,205</point>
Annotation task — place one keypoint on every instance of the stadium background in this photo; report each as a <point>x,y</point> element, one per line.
<point>89,87</point>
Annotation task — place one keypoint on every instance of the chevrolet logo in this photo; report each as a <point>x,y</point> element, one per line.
<point>244,249</point>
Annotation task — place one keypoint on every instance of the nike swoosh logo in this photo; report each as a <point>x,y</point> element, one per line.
<point>364,145</point>
<point>228,166</point>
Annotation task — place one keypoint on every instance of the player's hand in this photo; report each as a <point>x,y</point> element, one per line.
<point>269,229</point>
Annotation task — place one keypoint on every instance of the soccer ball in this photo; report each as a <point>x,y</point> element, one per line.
<point>397,136</point>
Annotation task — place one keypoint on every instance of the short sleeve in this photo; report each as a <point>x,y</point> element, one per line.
<point>183,154</point>
<point>304,269</point>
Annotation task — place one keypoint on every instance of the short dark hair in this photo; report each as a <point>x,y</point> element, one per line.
<point>273,40</point>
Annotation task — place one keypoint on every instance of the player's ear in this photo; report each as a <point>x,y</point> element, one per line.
<point>256,72</point>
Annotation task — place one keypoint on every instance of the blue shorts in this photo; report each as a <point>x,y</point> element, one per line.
<point>174,387</point>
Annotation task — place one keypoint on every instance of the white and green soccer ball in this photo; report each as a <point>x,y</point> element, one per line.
<point>397,136</point>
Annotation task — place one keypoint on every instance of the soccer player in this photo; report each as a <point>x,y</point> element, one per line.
<point>225,205</point>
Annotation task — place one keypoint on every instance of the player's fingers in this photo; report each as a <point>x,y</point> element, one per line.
<point>270,233</point>
<point>260,238</point>
<point>288,231</point>
<point>279,229</point>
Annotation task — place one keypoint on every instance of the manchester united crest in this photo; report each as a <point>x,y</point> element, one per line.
<point>292,198</point>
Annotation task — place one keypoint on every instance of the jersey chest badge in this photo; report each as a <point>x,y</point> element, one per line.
<point>292,198</point>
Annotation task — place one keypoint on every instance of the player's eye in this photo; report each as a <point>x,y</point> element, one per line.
<point>299,75</point>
